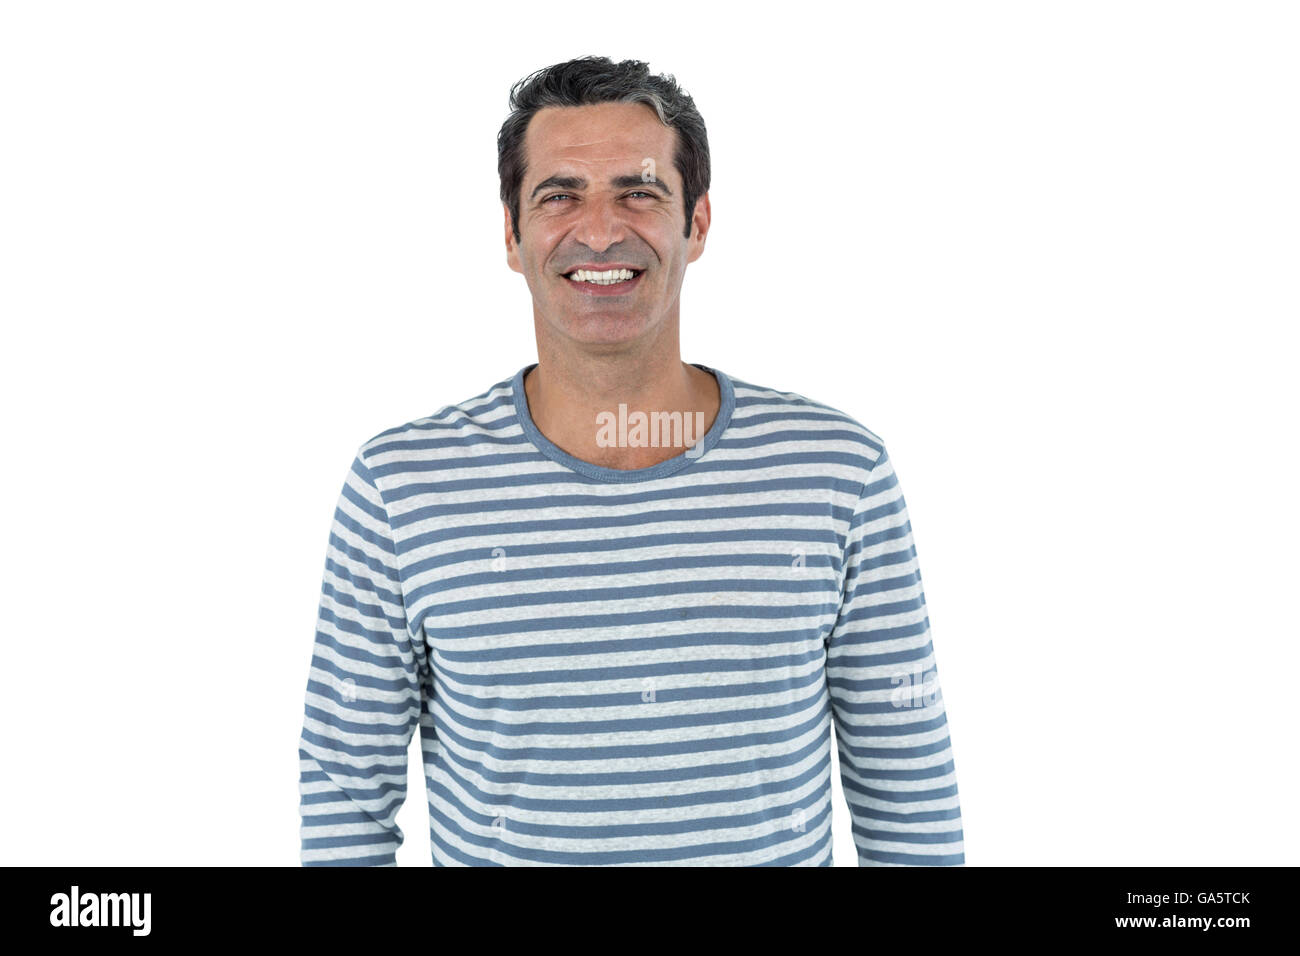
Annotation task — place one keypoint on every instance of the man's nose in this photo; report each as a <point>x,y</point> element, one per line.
<point>601,225</point>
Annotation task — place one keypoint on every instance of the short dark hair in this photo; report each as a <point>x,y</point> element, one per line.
<point>589,80</point>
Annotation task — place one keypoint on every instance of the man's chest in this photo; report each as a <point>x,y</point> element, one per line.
<point>630,588</point>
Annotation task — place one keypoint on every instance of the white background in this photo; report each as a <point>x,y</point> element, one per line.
<point>1047,251</point>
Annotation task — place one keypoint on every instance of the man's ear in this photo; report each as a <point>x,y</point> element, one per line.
<point>512,250</point>
<point>699,228</point>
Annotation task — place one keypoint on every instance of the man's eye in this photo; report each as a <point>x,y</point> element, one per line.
<point>638,192</point>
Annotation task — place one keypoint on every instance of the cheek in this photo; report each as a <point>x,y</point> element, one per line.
<point>542,242</point>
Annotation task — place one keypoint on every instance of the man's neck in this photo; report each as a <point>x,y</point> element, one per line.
<point>566,395</point>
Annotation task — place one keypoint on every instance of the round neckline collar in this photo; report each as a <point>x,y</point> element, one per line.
<point>601,473</point>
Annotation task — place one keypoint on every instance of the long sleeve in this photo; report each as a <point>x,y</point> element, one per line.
<point>363,693</point>
<point>896,762</point>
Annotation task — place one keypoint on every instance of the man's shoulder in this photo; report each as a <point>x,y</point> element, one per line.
<point>454,424</point>
<point>764,410</point>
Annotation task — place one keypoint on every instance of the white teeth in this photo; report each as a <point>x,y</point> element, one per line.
<point>602,278</point>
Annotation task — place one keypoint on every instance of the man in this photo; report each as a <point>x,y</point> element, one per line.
<point>623,597</point>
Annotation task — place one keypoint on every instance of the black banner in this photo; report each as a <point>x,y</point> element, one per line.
<point>384,906</point>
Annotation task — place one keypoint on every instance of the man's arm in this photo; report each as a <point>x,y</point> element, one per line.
<point>363,692</point>
<point>896,763</point>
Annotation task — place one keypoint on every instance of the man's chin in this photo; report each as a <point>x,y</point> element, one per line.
<point>601,324</point>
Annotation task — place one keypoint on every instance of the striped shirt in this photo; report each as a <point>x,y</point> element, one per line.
<point>637,667</point>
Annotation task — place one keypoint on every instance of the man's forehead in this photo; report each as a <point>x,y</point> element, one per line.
<point>602,134</point>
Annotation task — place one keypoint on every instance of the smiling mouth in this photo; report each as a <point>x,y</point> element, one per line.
<point>603,283</point>
<point>607,277</point>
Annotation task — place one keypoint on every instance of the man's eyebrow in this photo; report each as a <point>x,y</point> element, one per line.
<point>627,182</point>
<point>577,182</point>
<point>560,182</point>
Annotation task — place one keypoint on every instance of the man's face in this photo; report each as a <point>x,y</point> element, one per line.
<point>601,192</point>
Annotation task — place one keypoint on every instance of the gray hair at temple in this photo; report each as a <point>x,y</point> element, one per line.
<point>589,80</point>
